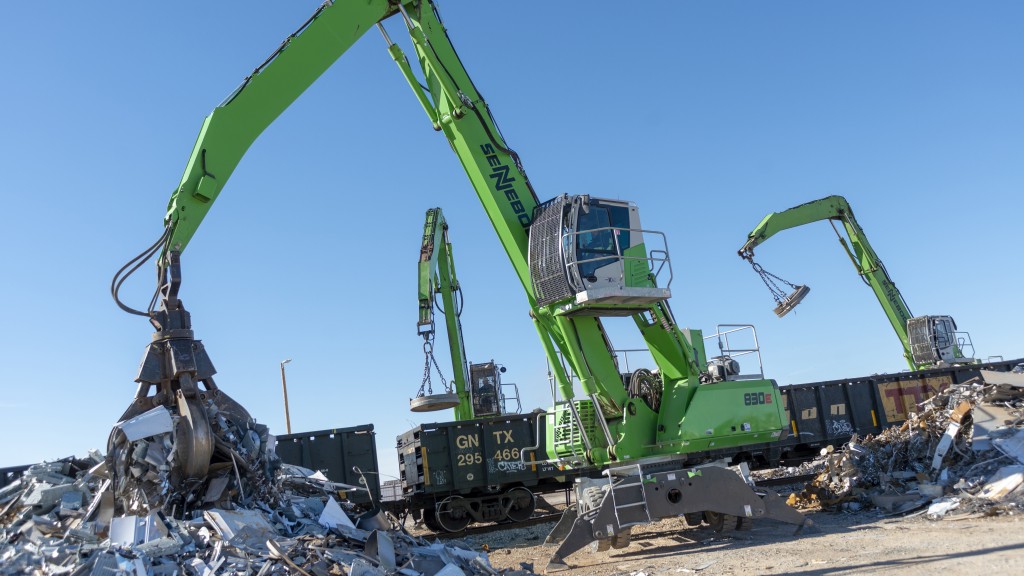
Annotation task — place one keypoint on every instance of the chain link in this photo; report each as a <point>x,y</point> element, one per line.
<point>769,280</point>
<point>426,386</point>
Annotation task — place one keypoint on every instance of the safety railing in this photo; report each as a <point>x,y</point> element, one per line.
<point>964,344</point>
<point>657,259</point>
<point>727,334</point>
<point>508,398</point>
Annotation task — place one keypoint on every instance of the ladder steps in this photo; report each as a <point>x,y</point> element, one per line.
<point>632,499</point>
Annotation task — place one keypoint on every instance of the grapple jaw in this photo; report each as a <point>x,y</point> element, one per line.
<point>181,431</point>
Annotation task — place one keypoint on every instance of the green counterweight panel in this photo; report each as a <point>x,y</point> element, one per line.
<point>728,414</point>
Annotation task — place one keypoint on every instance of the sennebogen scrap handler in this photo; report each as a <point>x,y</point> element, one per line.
<point>579,258</point>
<point>475,390</point>
<point>927,341</point>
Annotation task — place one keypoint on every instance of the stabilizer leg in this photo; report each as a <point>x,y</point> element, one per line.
<point>580,534</point>
<point>565,524</point>
<point>777,509</point>
<point>634,496</point>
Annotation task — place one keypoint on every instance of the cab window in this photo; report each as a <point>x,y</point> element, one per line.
<point>594,247</point>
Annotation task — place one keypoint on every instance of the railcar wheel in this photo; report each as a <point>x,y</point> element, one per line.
<point>523,504</point>
<point>452,515</point>
<point>430,520</point>
<point>693,518</point>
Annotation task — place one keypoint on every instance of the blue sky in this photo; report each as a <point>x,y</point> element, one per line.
<point>707,114</point>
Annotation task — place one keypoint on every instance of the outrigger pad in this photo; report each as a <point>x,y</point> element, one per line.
<point>791,301</point>
<point>777,509</point>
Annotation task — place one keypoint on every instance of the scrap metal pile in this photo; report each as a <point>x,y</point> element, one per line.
<point>963,450</point>
<point>146,457</point>
<point>63,517</point>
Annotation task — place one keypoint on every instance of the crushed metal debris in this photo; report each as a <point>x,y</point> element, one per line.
<point>59,518</point>
<point>962,452</point>
<point>146,453</point>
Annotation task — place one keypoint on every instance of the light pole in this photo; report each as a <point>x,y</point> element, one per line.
<point>284,387</point>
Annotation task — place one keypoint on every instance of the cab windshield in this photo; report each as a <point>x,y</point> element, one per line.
<point>595,239</point>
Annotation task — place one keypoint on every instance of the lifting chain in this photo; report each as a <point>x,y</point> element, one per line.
<point>769,280</point>
<point>426,387</point>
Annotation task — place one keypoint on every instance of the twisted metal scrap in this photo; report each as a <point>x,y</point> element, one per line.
<point>893,461</point>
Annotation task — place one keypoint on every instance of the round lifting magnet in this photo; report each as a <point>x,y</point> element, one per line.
<point>433,402</point>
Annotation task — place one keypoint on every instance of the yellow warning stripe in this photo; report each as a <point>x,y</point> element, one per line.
<point>793,424</point>
<point>426,469</point>
<point>533,459</point>
<point>874,418</point>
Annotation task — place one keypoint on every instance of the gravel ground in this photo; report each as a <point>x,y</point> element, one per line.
<point>844,543</point>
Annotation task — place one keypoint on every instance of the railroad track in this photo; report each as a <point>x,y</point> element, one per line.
<point>488,528</point>
<point>475,529</point>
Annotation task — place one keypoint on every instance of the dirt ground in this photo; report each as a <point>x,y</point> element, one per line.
<point>839,543</point>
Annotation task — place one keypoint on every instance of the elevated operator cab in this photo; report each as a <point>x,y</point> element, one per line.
<point>491,396</point>
<point>934,340</point>
<point>590,255</point>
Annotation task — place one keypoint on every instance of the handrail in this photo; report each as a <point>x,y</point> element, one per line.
<point>568,240</point>
<point>726,349</point>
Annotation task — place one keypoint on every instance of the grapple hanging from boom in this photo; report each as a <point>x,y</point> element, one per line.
<point>176,385</point>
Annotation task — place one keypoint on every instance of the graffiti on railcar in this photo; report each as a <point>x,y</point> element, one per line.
<point>440,477</point>
<point>901,397</point>
<point>840,428</point>
<point>511,466</point>
<point>837,422</point>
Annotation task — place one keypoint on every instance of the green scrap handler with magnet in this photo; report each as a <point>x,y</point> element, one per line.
<point>928,341</point>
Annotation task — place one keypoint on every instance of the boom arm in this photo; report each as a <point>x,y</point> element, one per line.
<point>864,258</point>
<point>661,412</point>
<point>453,105</point>
<point>579,259</point>
<point>437,276</point>
<point>235,124</point>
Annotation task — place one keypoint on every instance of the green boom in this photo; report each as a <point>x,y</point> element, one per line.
<point>690,416</point>
<point>863,256</point>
